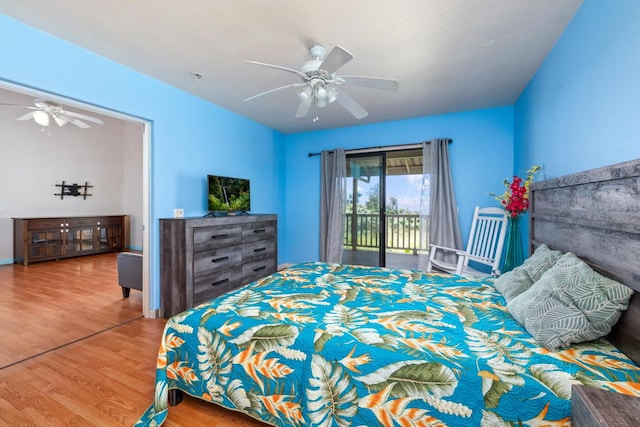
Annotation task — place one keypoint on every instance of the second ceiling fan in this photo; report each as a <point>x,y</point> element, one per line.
<point>320,86</point>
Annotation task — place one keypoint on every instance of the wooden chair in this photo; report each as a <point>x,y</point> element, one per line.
<point>488,230</point>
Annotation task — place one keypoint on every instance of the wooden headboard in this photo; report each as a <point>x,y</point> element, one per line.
<point>596,215</point>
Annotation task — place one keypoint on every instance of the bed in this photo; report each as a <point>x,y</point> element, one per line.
<point>328,344</point>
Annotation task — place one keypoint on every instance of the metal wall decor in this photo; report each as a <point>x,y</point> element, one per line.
<point>74,190</point>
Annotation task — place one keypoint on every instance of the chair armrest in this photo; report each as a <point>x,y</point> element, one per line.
<point>444,248</point>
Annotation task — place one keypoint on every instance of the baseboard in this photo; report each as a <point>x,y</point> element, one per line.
<point>6,261</point>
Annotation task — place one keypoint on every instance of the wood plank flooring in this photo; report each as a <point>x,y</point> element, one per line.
<point>104,379</point>
<point>48,304</point>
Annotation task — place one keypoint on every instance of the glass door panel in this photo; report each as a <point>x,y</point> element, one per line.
<point>80,240</point>
<point>109,237</point>
<point>45,244</point>
<point>403,179</point>
<point>364,219</point>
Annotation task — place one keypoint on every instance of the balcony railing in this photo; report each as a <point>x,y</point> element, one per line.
<point>363,231</point>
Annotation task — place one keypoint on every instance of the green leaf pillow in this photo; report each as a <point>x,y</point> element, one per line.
<point>570,303</point>
<point>513,283</point>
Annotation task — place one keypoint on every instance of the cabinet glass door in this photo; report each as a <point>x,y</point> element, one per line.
<point>44,244</point>
<point>80,240</point>
<point>109,237</point>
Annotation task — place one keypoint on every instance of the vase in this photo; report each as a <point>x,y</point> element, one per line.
<point>513,256</point>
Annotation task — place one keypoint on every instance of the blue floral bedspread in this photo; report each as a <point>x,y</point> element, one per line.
<point>338,345</point>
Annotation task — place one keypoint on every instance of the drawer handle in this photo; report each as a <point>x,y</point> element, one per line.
<point>259,230</point>
<point>219,236</point>
<point>260,268</point>
<point>224,258</point>
<point>260,250</point>
<point>220,282</point>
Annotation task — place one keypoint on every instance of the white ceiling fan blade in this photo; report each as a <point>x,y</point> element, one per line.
<point>335,59</point>
<point>275,90</point>
<point>351,105</point>
<point>279,67</point>
<point>81,116</point>
<point>26,116</point>
<point>303,108</point>
<point>371,82</point>
<point>77,122</point>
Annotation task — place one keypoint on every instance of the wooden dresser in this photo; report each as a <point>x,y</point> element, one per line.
<point>593,407</point>
<point>41,239</point>
<point>202,258</point>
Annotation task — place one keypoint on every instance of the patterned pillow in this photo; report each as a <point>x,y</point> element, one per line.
<point>513,283</point>
<point>571,303</point>
<point>541,260</point>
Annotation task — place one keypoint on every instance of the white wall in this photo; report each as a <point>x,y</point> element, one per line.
<point>132,179</point>
<point>33,161</point>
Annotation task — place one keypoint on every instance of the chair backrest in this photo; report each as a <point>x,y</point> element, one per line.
<point>488,230</point>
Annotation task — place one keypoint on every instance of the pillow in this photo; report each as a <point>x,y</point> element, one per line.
<point>513,283</point>
<point>542,259</point>
<point>570,303</point>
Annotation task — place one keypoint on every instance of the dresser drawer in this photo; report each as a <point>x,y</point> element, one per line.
<point>258,231</point>
<point>258,269</point>
<point>208,262</point>
<point>259,249</point>
<point>213,285</point>
<point>218,236</point>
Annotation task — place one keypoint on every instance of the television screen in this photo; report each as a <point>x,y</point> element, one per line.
<point>228,194</point>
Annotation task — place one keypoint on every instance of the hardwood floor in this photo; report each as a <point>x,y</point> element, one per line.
<point>48,304</point>
<point>105,380</point>
<point>104,374</point>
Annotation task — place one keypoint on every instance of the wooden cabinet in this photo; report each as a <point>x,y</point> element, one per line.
<point>41,239</point>
<point>591,407</point>
<point>202,258</point>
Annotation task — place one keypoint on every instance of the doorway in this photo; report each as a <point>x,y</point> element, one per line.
<point>382,220</point>
<point>141,134</point>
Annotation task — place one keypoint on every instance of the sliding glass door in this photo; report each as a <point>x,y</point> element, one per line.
<point>382,208</point>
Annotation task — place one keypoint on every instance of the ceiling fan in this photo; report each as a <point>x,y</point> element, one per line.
<point>44,111</point>
<point>320,85</point>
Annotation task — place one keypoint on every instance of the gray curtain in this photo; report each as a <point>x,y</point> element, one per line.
<point>332,198</point>
<point>443,225</point>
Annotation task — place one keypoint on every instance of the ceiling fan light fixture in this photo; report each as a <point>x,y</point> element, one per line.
<point>305,93</point>
<point>321,92</point>
<point>332,94</point>
<point>321,102</point>
<point>61,121</point>
<point>41,118</point>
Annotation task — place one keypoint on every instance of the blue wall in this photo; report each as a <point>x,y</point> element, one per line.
<point>190,137</point>
<point>581,109</point>
<point>481,158</point>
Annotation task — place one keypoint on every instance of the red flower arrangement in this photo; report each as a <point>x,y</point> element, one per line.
<point>515,199</point>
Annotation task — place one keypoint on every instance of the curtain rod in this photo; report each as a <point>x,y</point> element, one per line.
<point>381,148</point>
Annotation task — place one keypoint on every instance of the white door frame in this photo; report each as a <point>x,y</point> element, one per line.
<point>146,177</point>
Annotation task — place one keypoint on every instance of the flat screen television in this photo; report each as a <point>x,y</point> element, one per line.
<point>230,195</point>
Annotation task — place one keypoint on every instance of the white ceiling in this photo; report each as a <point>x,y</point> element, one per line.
<point>448,55</point>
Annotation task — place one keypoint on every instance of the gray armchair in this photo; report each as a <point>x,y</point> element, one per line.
<point>129,272</point>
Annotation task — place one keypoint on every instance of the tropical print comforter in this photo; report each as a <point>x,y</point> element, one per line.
<point>338,345</point>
